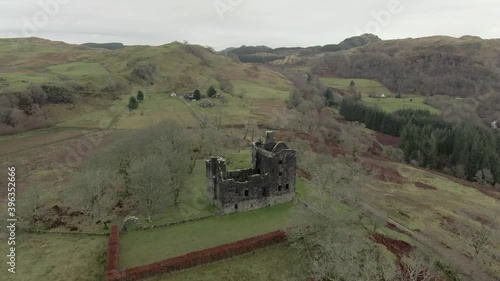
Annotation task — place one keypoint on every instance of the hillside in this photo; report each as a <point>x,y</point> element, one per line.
<point>84,80</point>
<point>459,76</point>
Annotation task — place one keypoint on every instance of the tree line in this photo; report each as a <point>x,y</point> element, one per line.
<point>465,150</point>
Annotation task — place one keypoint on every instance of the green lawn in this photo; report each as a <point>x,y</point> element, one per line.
<point>269,264</point>
<point>140,248</point>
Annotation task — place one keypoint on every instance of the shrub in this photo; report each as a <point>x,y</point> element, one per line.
<point>393,153</point>
<point>113,254</point>
<point>484,177</point>
<point>146,72</point>
<point>57,94</point>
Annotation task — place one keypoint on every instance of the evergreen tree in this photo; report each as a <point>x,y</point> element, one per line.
<point>132,103</point>
<point>330,99</point>
<point>391,125</point>
<point>140,96</point>
<point>197,94</point>
<point>211,92</point>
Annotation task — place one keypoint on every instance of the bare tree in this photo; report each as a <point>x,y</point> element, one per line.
<point>333,245</point>
<point>95,191</point>
<point>151,186</point>
<point>212,142</point>
<point>32,201</point>
<point>354,140</point>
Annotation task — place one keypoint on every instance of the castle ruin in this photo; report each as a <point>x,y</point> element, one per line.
<point>270,181</point>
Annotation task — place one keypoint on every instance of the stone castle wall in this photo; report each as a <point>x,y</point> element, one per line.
<point>269,182</point>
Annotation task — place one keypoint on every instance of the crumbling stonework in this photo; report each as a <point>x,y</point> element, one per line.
<point>271,180</point>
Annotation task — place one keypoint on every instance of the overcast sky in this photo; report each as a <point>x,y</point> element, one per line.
<point>226,23</point>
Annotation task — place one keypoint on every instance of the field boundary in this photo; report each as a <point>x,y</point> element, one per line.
<point>113,256</point>
<point>68,233</point>
<point>186,261</point>
<point>168,224</point>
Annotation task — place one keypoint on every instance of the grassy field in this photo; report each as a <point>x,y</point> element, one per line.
<point>57,258</point>
<point>18,142</point>
<point>270,264</point>
<point>79,69</point>
<point>155,108</point>
<point>139,248</point>
<point>390,104</point>
<point>372,87</point>
<point>259,91</point>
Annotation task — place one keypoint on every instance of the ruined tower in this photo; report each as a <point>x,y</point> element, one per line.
<point>270,181</point>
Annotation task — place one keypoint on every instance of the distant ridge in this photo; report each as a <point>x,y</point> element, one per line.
<point>109,46</point>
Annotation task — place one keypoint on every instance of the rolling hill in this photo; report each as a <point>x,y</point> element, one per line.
<point>95,79</point>
<point>459,76</point>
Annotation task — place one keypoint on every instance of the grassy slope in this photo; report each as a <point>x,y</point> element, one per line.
<point>423,211</point>
<point>178,70</point>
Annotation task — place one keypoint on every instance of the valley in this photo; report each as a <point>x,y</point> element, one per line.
<point>400,211</point>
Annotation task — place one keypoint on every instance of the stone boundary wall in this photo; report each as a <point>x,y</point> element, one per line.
<point>185,261</point>
<point>69,233</point>
<point>150,227</point>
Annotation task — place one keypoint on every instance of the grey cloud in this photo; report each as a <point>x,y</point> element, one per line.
<point>250,22</point>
